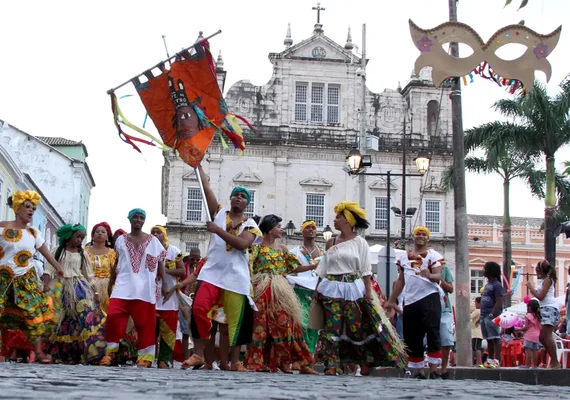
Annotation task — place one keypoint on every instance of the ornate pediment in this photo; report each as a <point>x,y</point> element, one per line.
<point>190,176</point>
<point>319,47</point>
<point>477,261</point>
<point>380,184</point>
<point>316,182</point>
<point>436,189</point>
<point>247,179</point>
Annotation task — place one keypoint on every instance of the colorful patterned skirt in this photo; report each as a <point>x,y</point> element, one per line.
<point>311,335</point>
<point>356,331</point>
<point>277,326</point>
<point>24,306</point>
<point>79,337</point>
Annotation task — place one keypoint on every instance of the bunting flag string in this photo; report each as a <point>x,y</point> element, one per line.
<point>484,70</point>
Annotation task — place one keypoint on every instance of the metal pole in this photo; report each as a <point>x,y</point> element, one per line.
<point>362,136</point>
<point>201,184</point>
<point>388,252</point>
<point>462,299</point>
<point>403,215</point>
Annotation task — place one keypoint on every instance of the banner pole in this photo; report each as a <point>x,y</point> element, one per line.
<point>201,184</point>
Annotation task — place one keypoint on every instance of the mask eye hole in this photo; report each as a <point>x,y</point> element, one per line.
<point>511,51</point>
<point>464,50</point>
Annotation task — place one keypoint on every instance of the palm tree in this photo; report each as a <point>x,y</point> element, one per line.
<point>507,162</point>
<point>538,125</point>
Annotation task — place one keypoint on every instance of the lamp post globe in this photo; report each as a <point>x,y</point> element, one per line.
<point>354,160</point>
<point>422,161</point>
<point>290,228</point>
<point>327,233</point>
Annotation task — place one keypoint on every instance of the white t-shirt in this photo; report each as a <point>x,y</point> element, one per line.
<point>18,247</point>
<point>172,254</point>
<point>417,287</point>
<point>226,268</point>
<point>137,268</point>
<point>549,300</point>
<point>350,257</point>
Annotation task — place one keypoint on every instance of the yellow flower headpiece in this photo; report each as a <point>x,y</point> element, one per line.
<point>163,230</point>
<point>349,210</point>
<point>421,229</point>
<point>19,197</point>
<point>306,224</point>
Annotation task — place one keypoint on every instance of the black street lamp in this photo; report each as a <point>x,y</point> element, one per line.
<point>290,228</point>
<point>355,162</point>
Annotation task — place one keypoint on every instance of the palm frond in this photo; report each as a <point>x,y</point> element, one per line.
<point>448,179</point>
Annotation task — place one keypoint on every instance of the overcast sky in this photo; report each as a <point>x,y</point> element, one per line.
<point>58,58</point>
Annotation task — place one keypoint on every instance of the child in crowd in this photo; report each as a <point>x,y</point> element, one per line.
<point>491,307</point>
<point>476,336</point>
<point>531,334</point>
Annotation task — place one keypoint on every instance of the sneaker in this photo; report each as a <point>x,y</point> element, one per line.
<point>434,375</point>
<point>407,374</point>
<point>495,364</point>
<point>444,375</point>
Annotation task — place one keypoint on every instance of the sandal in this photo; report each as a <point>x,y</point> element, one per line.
<point>43,358</point>
<point>107,360</point>
<point>238,367</point>
<point>285,369</point>
<point>193,361</point>
<point>306,370</point>
<point>332,371</point>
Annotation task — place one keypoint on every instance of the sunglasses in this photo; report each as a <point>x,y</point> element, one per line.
<point>28,205</point>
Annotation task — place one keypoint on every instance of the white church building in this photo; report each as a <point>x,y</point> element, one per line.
<point>308,120</point>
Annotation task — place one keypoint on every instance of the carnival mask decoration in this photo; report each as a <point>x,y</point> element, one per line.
<point>429,42</point>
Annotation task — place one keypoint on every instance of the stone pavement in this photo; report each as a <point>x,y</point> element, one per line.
<point>82,382</point>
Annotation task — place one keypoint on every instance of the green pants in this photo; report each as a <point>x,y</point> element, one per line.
<point>311,336</point>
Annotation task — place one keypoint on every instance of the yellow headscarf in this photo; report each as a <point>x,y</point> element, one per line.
<point>421,229</point>
<point>349,209</point>
<point>19,197</point>
<point>306,224</point>
<point>163,230</point>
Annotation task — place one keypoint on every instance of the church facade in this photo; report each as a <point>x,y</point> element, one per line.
<point>308,117</point>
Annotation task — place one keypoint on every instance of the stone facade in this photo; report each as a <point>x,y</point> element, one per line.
<point>308,119</point>
<point>65,180</point>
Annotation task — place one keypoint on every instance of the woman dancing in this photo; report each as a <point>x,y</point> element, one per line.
<point>79,338</point>
<point>356,328</point>
<point>102,256</point>
<point>279,317</point>
<point>23,304</point>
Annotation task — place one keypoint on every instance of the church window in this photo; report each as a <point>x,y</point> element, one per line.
<point>432,115</point>
<point>317,102</point>
<point>250,210</point>
<point>193,205</point>
<point>315,208</point>
<point>381,214</point>
<point>432,215</point>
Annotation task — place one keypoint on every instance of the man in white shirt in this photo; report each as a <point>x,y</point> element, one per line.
<point>419,278</point>
<point>225,280</point>
<point>140,258</point>
<point>167,310</point>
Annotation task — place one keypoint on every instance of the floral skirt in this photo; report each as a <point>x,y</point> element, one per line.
<point>356,331</point>
<point>277,339</point>
<point>80,337</point>
<point>24,306</point>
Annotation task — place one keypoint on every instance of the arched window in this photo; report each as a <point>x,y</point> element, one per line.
<point>432,111</point>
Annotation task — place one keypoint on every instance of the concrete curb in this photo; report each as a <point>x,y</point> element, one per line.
<point>549,377</point>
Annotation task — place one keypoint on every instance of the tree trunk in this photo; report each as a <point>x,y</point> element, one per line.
<point>507,243</point>
<point>550,213</point>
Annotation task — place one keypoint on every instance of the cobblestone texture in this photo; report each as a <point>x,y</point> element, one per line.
<point>79,382</point>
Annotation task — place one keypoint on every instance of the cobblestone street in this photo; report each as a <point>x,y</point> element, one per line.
<point>79,382</point>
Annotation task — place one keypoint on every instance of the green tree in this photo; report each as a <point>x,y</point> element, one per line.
<point>538,125</point>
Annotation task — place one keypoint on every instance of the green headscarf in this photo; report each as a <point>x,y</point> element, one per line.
<point>136,211</point>
<point>66,232</point>
<point>244,190</point>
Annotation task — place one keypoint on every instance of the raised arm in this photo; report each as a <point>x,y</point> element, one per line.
<point>44,251</point>
<point>210,196</point>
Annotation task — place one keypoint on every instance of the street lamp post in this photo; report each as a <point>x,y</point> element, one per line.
<point>290,228</point>
<point>355,167</point>
<point>327,233</point>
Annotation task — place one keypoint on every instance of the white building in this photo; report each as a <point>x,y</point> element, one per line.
<point>57,166</point>
<point>308,118</point>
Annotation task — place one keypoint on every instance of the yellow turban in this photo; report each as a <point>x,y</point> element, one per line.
<point>19,197</point>
<point>161,229</point>
<point>306,224</point>
<point>349,209</point>
<point>421,229</point>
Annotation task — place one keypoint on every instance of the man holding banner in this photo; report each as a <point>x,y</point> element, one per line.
<point>224,280</point>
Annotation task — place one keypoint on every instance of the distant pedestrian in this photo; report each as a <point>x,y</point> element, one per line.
<point>531,331</point>
<point>476,335</point>
<point>491,307</point>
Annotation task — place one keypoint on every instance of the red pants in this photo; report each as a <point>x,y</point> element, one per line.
<point>144,317</point>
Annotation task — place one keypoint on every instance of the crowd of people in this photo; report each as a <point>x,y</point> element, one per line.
<point>132,297</point>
